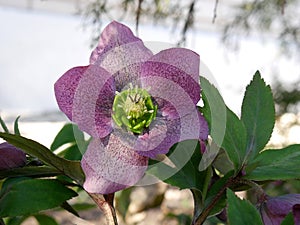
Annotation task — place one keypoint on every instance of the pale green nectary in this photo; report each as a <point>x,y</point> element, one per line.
<point>133,108</point>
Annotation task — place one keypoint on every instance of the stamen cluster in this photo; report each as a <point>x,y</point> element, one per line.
<point>133,109</point>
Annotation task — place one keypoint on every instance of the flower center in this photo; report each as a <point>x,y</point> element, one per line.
<point>133,108</point>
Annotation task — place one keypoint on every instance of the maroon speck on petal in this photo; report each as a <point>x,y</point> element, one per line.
<point>178,66</point>
<point>85,95</point>
<point>111,167</point>
<point>153,73</point>
<point>120,53</point>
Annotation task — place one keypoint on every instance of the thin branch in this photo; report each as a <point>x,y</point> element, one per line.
<point>188,22</point>
<point>215,11</point>
<point>283,3</point>
<point>201,219</point>
<point>138,14</point>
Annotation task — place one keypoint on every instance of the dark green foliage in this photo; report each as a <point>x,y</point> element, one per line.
<point>123,201</point>
<point>33,148</point>
<point>258,115</point>
<point>29,196</point>
<point>226,129</point>
<point>45,220</point>
<point>185,157</point>
<point>276,164</point>
<point>241,211</point>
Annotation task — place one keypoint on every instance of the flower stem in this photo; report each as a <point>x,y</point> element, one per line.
<point>105,203</point>
<point>205,213</point>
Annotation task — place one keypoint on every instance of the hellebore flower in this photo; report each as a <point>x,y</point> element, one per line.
<point>11,157</point>
<point>274,210</point>
<point>134,104</point>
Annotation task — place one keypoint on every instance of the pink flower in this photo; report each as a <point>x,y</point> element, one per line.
<point>134,104</point>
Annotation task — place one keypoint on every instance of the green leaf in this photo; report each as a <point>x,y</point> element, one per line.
<point>16,126</point>
<point>222,162</point>
<point>258,115</point>
<point>122,201</point>
<point>241,211</point>
<point>3,125</point>
<point>235,140</point>
<point>214,111</point>
<point>18,220</point>
<point>226,129</point>
<point>182,219</point>
<point>33,195</point>
<point>209,156</point>
<point>71,153</point>
<point>198,203</point>
<point>288,220</point>
<point>183,173</point>
<point>45,220</point>
<point>68,134</point>
<point>67,167</point>
<point>66,206</point>
<point>30,171</point>
<point>276,164</point>
<point>8,183</point>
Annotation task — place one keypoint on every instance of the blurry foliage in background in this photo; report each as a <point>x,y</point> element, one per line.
<point>266,17</point>
<point>177,14</point>
<point>275,18</point>
<point>287,98</point>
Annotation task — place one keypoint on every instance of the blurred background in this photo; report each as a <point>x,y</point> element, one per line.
<point>42,39</point>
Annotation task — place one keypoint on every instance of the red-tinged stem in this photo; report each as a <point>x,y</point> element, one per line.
<point>105,203</point>
<point>202,217</point>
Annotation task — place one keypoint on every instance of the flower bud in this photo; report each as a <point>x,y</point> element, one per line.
<point>274,210</point>
<point>11,157</point>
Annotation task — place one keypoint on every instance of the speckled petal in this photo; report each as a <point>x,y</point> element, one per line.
<point>167,140</point>
<point>163,133</point>
<point>11,157</point>
<point>147,143</point>
<point>85,95</point>
<point>112,167</point>
<point>191,126</point>
<point>179,113</point>
<point>127,76</point>
<point>65,88</point>
<point>178,65</point>
<point>119,50</point>
<point>177,99</point>
<point>182,58</point>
